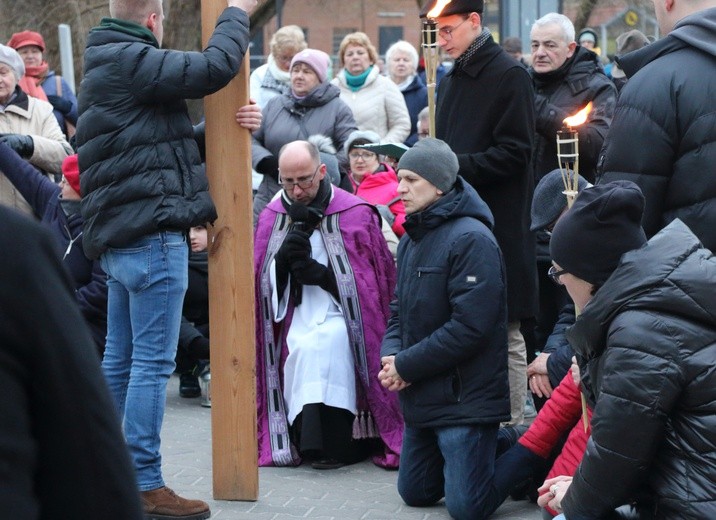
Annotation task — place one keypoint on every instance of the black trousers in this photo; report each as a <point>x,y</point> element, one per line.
<point>326,432</point>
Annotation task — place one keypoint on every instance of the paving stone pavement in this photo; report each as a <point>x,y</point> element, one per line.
<point>358,492</point>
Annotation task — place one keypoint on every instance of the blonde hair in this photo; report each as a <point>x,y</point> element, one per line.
<point>361,39</point>
<point>287,37</point>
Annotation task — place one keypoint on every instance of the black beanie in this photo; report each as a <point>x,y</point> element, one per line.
<point>603,224</point>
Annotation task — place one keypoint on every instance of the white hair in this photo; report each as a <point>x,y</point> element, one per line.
<point>564,23</point>
<point>403,46</point>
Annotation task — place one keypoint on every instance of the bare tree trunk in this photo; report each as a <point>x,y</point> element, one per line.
<point>585,11</point>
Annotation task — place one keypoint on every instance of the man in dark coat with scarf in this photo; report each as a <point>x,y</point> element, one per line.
<point>485,112</point>
<point>324,280</point>
<point>566,78</point>
<point>647,333</point>
<point>663,136</point>
<point>143,187</point>
<point>445,349</point>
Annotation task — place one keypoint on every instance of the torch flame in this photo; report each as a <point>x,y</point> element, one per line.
<point>439,6</point>
<point>580,117</point>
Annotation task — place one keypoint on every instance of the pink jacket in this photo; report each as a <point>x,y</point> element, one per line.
<point>380,188</point>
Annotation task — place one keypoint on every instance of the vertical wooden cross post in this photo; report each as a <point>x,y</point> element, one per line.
<point>231,285</point>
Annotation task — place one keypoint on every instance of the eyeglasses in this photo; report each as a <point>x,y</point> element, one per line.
<point>446,32</point>
<point>303,182</point>
<point>554,275</point>
<point>361,155</point>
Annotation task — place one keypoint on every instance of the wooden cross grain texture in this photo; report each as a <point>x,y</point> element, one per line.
<point>231,285</point>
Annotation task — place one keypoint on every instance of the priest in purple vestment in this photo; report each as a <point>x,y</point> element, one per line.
<point>324,281</point>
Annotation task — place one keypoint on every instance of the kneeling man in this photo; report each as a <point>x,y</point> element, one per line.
<point>445,349</point>
<point>324,278</point>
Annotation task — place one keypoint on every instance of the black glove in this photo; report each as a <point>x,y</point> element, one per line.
<point>548,117</point>
<point>200,138</point>
<point>296,246</point>
<point>23,145</point>
<point>268,166</point>
<point>308,271</point>
<point>60,103</point>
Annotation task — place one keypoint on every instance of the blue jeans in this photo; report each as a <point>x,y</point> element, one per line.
<point>455,462</point>
<point>146,283</point>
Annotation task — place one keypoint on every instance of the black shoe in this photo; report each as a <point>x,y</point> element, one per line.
<point>189,385</point>
<point>327,464</point>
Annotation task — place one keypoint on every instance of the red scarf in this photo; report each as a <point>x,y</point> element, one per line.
<point>31,82</point>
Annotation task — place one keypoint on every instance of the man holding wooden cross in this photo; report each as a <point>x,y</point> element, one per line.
<point>144,187</point>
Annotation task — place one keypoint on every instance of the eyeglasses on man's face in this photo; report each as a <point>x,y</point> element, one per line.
<point>366,156</point>
<point>554,275</point>
<point>304,182</point>
<point>446,32</point>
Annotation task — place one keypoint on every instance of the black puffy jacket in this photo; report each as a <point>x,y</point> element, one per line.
<point>448,324</point>
<point>649,337</point>
<point>562,93</point>
<point>140,166</point>
<point>663,136</point>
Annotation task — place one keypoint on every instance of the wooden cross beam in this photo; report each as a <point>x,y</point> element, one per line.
<point>231,285</point>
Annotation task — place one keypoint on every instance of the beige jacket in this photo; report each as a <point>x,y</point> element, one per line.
<point>29,116</point>
<point>378,106</point>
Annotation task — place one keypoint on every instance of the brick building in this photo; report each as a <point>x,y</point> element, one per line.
<point>325,22</point>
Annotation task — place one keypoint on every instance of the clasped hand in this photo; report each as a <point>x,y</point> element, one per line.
<point>389,377</point>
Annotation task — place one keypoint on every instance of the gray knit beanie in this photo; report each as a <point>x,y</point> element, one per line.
<point>434,161</point>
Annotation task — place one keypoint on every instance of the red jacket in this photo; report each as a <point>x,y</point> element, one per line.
<point>561,412</point>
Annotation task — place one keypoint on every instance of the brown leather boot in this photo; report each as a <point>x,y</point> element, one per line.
<point>163,504</point>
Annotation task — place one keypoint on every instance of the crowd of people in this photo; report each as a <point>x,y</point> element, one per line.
<point>416,296</point>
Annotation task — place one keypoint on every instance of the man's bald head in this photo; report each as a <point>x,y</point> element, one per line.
<point>298,163</point>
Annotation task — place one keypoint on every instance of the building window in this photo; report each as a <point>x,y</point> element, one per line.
<point>387,36</point>
<point>338,35</point>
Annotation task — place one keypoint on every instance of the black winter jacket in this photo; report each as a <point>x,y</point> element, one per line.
<point>485,112</point>
<point>562,93</point>
<point>140,166</point>
<point>649,338</point>
<point>448,324</point>
<point>663,136</point>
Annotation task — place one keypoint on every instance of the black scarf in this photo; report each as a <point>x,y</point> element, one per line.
<point>548,78</point>
<point>472,49</point>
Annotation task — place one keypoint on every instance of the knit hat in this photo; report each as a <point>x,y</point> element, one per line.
<point>319,61</point>
<point>589,35</point>
<point>24,38</point>
<point>434,161</point>
<point>71,172</point>
<point>548,201</point>
<point>626,43</point>
<point>366,135</point>
<point>454,7</point>
<point>603,224</point>
<point>11,58</point>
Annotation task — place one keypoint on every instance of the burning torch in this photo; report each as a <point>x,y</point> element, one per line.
<point>568,158</point>
<point>431,54</point>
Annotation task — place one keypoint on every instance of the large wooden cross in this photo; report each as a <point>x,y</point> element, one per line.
<point>231,285</point>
